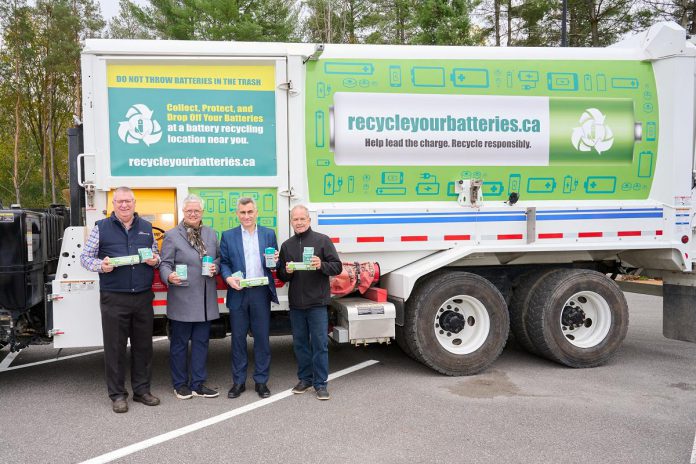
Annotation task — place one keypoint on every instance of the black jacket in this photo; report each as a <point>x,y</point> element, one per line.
<point>309,289</point>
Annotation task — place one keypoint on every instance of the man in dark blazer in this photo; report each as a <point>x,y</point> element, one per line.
<point>242,250</point>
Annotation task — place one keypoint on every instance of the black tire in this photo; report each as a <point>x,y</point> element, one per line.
<point>400,334</point>
<point>482,329</point>
<point>600,311</point>
<point>519,306</point>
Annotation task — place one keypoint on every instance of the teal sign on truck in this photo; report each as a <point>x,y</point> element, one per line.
<point>192,120</point>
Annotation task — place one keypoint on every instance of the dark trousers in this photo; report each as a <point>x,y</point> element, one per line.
<point>254,313</point>
<point>180,333</point>
<point>124,316</point>
<point>310,342</point>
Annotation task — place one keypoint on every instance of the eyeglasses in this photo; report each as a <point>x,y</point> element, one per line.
<point>123,202</point>
<point>193,212</point>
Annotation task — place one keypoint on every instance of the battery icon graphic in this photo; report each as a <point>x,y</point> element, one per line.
<point>541,185</point>
<point>624,83</point>
<point>398,129</point>
<point>470,77</point>
<point>319,128</point>
<point>391,191</point>
<point>645,164</point>
<point>601,130</point>
<point>428,76</point>
<point>333,67</point>
<point>493,189</point>
<point>651,131</point>
<point>600,184</point>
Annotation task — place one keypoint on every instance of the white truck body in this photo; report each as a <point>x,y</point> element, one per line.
<point>603,187</point>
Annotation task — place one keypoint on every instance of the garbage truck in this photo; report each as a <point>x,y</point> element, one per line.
<point>501,190</point>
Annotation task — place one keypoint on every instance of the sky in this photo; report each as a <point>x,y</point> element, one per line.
<point>109,8</point>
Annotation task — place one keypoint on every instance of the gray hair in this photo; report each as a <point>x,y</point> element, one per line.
<point>245,201</point>
<point>193,198</point>
<point>299,207</point>
<point>124,189</point>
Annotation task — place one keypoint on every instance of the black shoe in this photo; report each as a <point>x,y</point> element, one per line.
<point>323,394</point>
<point>262,390</point>
<point>236,390</point>
<point>205,392</point>
<point>147,399</point>
<point>301,387</point>
<point>183,392</point>
<point>119,405</point>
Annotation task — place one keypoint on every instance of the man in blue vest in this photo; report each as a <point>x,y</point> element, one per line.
<point>125,298</point>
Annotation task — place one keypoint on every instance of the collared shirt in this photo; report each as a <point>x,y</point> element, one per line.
<point>89,258</point>
<point>252,255</point>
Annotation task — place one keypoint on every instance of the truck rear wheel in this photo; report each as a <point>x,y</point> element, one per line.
<point>402,342</point>
<point>577,318</point>
<point>519,307</point>
<point>456,323</point>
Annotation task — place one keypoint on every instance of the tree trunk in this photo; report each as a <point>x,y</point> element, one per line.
<point>509,23</point>
<point>51,144</point>
<point>593,10</point>
<point>572,25</point>
<point>683,12</point>
<point>401,22</point>
<point>77,88</point>
<point>15,168</point>
<point>351,22</point>
<point>328,22</point>
<point>496,8</point>
<point>44,157</point>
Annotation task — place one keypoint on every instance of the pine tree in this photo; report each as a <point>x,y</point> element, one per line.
<point>445,22</point>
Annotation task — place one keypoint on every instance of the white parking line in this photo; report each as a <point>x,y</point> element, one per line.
<point>5,364</point>
<point>119,453</point>
<point>693,452</point>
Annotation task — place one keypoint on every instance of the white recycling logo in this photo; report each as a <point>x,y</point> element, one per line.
<point>139,126</point>
<point>592,132</point>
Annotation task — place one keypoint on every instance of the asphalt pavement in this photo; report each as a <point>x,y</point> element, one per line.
<point>385,408</point>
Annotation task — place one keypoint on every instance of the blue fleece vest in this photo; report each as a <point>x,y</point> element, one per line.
<point>114,241</point>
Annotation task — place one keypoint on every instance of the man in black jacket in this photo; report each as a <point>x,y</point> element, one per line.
<point>309,296</point>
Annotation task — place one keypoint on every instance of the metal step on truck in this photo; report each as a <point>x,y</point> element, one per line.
<point>499,189</point>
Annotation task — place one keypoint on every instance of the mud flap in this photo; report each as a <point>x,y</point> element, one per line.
<point>679,312</point>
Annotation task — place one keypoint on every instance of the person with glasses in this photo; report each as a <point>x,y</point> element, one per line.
<point>125,298</point>
<point>243,252</point>
<point>191,298</point>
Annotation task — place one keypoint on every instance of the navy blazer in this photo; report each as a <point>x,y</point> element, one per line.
<point>232,260</point>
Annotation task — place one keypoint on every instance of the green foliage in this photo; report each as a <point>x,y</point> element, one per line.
<point>683,12</point>
<point>391,22</point>
<point>250,20</point>
<point>125,25</point>
<point>535,27</point>
<point>40,87</point>
<point>445,22</point>
<point>337,21</point>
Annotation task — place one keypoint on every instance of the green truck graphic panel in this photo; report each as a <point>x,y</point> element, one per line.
<point>406,130</point>
<point>220,206</point>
